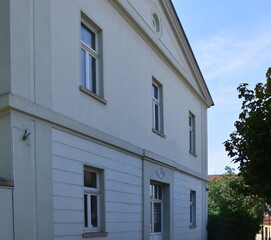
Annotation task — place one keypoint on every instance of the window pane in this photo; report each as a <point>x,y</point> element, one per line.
<point>83,67</point>
<point>190,140</point>
<point>160,192</point>
<point>155,91</point>
<point>94,211</point>
<point>151,217</point>
<point>88,37</point>
<point>156,117</point>
<point>193,207</point>
<point>157,217</point>
<point>191,214</point>
<point>192,147</point>
<point>86,209</point>
<point>155,191</point>
<point>90,179</point>
<point>92,74</point>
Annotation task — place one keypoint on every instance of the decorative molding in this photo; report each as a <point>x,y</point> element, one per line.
<point>64,123</point>
<point>160,173</point>
<point>169,163</point>
<point>180,33</point>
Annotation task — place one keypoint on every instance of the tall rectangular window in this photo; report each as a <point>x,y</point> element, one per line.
<point>157,111</point>
<point>192,208</point>
<point>91,58</point>
<point>156,210</point>
<point>192,134</point>
<point>92,195</point>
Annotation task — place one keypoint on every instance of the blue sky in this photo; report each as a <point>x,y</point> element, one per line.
<point>231,41</point>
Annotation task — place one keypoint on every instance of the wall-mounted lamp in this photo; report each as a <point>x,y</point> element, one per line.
<point>27,133</point>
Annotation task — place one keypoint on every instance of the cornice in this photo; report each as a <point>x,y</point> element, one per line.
<point>156,158</point>
<point>58,121</point>
<point>180,33</point>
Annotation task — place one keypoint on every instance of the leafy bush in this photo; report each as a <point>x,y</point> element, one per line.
<point>232,214</point>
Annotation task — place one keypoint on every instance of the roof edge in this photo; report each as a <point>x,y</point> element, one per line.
<point>190,49</point>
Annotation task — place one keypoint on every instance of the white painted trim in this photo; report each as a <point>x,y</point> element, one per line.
<point>95,53</point>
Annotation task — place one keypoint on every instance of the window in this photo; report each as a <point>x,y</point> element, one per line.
<point>155,22</point>
<point>91,62</point>
<point>192,208</point>
<point>156,209</point>
<point>192,140</point>
<point>92,194</point>
<point>157,114</point>
<point>93,203</point>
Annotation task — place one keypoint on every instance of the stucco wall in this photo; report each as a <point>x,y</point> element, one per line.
<point>45,59</point>
<point>182,187</point>
<point>40,67</point>
<point>129,64</point>
<point>30,50</point>
<point>6,218</point>
<point>6,165</point>
<point>122,187</point>
<point>5,47</point>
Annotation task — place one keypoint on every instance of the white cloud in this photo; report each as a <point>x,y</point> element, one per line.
<point>225,54</point>
<point>226,60</point>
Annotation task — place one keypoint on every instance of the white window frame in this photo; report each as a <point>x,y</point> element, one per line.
<point>192,133</point>
<point>193,202</point>
<point>157,119</point>
<point>93,89</point>
<point>93,192</point>
<point>94,53</point>
<point>156,189</point>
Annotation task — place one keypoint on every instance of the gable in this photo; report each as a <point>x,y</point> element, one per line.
<point>170,39</point>
<point>146,9</point>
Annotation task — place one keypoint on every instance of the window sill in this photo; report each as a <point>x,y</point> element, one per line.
<point>192,226</point>
<point>159,133</point>
<point>94,234</point>
<point>192,153</point>
<point>100,99</point>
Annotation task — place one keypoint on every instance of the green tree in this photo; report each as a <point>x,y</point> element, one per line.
<point>250,144</point>
<point>231,214</point>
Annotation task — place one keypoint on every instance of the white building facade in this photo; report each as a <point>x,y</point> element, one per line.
<point>103,122</point>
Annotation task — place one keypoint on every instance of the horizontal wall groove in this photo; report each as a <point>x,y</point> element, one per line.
<point>75,128</point>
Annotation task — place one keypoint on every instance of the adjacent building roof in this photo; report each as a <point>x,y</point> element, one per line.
<point>267,220</point>
<point>212,177</point>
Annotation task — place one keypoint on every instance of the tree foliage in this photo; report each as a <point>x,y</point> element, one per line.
<point>231,214</point>
<point>250,144</point>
